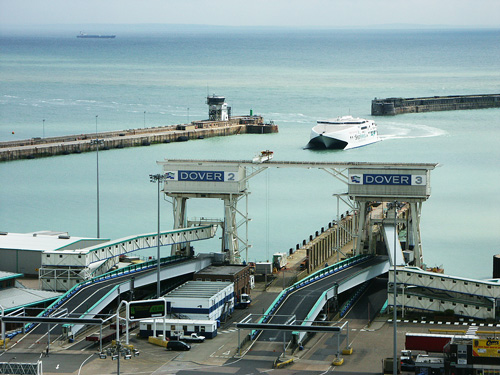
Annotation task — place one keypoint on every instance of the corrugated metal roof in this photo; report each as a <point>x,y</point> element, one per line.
<point>4,275</point>
<point>198,289</point>
<point>37,241</point>
<point>12,298</point>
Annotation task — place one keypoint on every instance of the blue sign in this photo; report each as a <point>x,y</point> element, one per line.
<point>210,176</point>
<point>386,179</point>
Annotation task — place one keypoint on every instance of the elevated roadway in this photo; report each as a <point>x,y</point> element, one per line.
<point>307,298</point>
<point>90,298</point>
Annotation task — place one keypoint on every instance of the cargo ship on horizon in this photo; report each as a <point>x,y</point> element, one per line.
<point>95,36</point>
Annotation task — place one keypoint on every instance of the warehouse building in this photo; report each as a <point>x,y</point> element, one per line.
<point>22,252</point>
<point>208,300</point>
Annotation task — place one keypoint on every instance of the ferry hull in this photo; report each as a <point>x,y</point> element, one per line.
<point>322,142</point>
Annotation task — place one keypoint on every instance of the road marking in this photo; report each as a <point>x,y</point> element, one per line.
<point>80,369</point>
<point>57,367</point>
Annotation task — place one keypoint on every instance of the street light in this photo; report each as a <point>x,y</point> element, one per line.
<point>394,313</point>
<point>43,124</point>
<point>144,119</point>
<point>158,178</point>
<point>96,142</point>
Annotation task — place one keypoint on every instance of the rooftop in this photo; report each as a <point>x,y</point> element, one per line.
<point>9,275</point>
<point>38,241</point>
<point>198,289</point>
<point>222,270</point>
<point>13,298</point>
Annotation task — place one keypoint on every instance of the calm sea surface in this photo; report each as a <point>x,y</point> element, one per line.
<point>291,77</point>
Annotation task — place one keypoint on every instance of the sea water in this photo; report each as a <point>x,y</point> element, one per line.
<point>292,77</point>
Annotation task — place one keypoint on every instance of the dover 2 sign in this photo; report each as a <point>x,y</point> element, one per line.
<point>205,176</point>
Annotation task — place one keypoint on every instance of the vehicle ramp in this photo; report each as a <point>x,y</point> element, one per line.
<point>89,298</point>
<point>306,298</point>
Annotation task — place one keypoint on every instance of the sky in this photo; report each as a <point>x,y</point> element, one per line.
<point>295,13</point>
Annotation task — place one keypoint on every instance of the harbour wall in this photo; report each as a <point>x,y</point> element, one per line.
<point>396,106</point>
<point>75,144</point>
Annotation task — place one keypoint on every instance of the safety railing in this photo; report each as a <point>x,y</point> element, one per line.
<point>318,275</point>
<point>133,268</point>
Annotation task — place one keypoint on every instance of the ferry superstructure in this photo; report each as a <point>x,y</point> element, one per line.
<point>343,133</point>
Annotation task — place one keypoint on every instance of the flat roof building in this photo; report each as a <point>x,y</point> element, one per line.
<point>22,252</point>
<point>14,295</point>
<point>209,300</point>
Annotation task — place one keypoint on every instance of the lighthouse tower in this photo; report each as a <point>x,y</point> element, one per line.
<point>218,109</point>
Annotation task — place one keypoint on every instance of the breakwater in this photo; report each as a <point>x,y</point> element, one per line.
<point>75,144</point>
<point>396,106</point>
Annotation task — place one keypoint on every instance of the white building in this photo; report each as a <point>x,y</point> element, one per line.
<point>209,300</point>
<point>22,252</point>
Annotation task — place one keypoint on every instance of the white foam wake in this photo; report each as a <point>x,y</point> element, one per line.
<point>400,130</point>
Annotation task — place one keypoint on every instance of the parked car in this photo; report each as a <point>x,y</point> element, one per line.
<point>407,362</point>
<point>193,337</point>
<point>178,345</point>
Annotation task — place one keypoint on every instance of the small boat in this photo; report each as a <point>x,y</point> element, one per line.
<point>263,157</point>
<point>343,133</point>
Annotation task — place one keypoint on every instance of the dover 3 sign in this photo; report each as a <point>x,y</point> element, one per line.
<point>387,179</point>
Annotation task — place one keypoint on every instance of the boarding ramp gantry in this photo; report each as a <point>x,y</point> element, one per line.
<point>307,298</point>
<point>63,269</point>
<point>431,291</point>
<point>227,180</point>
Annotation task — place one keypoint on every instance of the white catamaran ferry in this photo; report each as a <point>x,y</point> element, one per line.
<point>343,133</point>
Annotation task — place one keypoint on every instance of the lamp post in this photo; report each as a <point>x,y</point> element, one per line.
<point>96,141</point>
<point>394,314</point>
<point>43,125</point>
<point>144,119</point>
<point>158,178</point>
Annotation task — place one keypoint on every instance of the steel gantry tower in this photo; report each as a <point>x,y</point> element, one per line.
<point>227,180</point>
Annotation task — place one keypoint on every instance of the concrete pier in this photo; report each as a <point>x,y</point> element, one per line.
<point>75,144</point>
<point>328,242</point>
<point>396,106</point>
